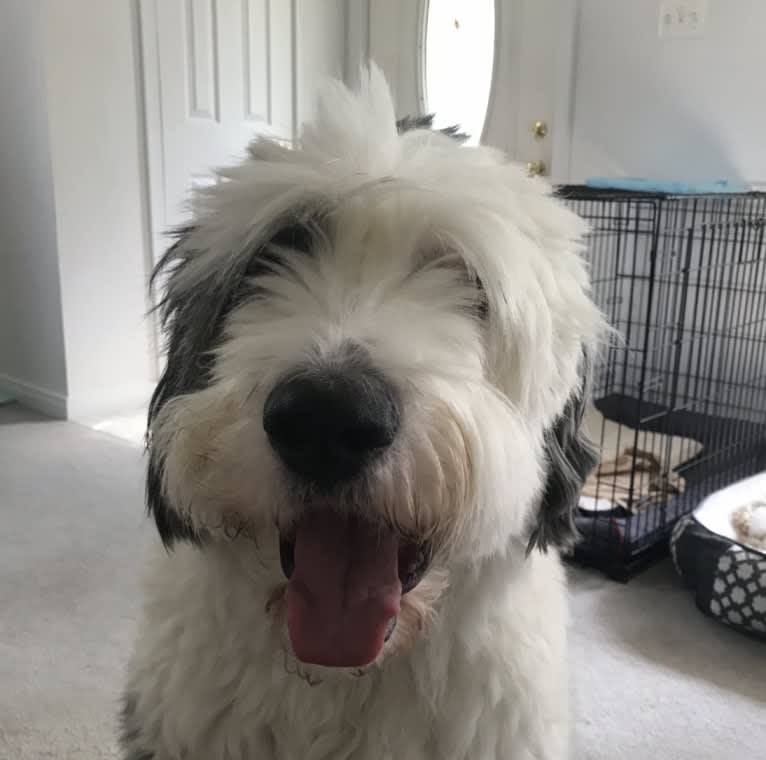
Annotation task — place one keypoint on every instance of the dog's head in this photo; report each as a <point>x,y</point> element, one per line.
<point>377,344</point>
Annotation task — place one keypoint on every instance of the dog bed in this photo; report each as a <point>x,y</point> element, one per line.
<point>716,555</point>
<point>638,467</point>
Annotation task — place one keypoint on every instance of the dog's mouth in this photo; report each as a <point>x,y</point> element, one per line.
<point>346,578</point>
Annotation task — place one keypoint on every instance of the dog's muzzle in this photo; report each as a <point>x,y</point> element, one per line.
<point>346,571</point>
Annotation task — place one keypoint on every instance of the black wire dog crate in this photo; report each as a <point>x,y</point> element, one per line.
<point>679,396</point>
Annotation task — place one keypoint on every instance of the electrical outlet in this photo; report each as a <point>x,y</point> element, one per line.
<point>683,19</point>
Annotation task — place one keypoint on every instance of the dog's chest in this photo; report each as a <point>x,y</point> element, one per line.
<point>346,742</point>
<point>371,722</point>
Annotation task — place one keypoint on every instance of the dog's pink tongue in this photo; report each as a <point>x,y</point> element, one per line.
<point>343,592</point>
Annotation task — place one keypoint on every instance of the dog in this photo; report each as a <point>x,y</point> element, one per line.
<point>364,453</point>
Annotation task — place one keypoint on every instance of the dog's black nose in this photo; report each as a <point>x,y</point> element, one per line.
<point>327,425</point>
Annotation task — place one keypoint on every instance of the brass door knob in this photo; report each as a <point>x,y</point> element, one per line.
<point>539,129</point>
<point>536,168</point>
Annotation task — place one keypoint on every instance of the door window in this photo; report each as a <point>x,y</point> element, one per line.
<point>459,50</point>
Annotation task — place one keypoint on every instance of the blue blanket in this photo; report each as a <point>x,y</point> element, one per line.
<point>672,187</point>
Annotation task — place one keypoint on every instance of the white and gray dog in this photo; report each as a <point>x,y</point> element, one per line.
<point>364,453</point>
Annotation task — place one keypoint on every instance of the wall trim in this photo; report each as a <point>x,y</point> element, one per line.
<point>357,38</point>
<point>148,70</point>
<point>50,403</point>
<point>420,62</point>
<point>152,112</point>
<point>86,409</point>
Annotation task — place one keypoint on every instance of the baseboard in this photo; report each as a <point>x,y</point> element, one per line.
<point>88,409</point>
<point>43,400</point>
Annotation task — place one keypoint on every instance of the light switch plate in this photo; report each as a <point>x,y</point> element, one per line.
<point>682,19</point>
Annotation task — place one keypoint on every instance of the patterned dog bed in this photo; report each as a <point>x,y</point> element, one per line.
<point>728,577</point>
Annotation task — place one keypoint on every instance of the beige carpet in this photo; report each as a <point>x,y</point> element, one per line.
<point>654,679</point>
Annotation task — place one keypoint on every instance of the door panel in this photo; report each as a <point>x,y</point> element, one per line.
<point>220,72</point>
<point>218,86</point>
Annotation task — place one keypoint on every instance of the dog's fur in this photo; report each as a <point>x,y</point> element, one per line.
<point>458,279</point>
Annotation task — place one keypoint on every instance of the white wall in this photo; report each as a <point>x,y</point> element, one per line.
<point>74,340</point>
<point>672,109</point>
<point>32,363</point>
<point>669,108</point>
<point>91,71</point>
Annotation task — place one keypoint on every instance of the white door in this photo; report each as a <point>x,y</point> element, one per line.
<point>219,72</point>
<point>501,68</point>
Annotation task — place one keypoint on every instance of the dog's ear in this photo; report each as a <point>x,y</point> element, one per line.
<point>193,318</point>
<point>193,324</point>
<point>570,458</point>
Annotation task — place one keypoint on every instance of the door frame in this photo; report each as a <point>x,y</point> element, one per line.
<point>152,98</point>
<point>150,150</point>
